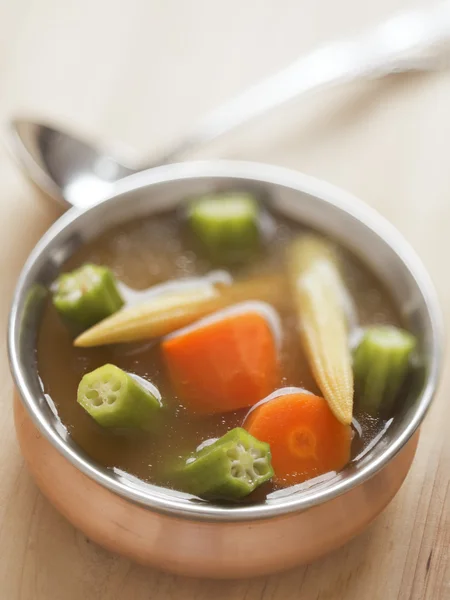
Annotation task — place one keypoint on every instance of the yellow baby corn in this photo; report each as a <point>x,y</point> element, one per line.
<point>319,296</point>
<point>171,310</point>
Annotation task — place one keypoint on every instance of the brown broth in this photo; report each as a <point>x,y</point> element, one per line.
<point>147,252</point>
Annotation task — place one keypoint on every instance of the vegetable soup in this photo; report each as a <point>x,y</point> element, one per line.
<point>222,350</point>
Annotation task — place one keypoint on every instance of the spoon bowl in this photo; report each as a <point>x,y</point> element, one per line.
<point>65,167</point>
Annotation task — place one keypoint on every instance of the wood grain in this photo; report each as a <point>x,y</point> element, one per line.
<point>141,72</point>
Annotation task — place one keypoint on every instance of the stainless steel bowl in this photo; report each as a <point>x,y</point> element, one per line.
<point>164,528</point>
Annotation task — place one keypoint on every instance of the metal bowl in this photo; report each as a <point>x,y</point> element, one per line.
<point>165,528</point>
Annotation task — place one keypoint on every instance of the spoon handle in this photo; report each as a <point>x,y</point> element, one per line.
<point>413,40</point>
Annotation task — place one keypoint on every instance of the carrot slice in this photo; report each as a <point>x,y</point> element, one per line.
<point>225,362</point>
<point>306,439</point>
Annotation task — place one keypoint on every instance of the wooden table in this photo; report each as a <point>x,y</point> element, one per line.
<point>141,72</point>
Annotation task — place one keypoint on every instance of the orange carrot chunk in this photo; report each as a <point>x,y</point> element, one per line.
<point>306,439</point>
<point>223,365</point>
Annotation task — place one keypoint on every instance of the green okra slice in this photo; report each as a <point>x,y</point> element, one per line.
<point>119,400</point>
<point>227,225</point>
<point>228,469</point>
<point>380,364</point>
<point>87,295</point>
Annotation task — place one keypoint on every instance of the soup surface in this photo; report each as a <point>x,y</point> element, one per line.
<point>147,252</point>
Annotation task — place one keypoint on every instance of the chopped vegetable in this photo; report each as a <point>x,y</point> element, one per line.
<point>170,311</point>
<point>228,469</point>
<point>305,438</point>
<point>381,362</point>
<point>87,295</point>
<point>117,399</point>
<point>319,295</point>
<point>227,361</point>
<point>227,225</point>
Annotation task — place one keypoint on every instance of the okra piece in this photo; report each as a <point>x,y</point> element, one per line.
<point>380,365</point>
<point>118,400</point>
<point>228,469</point>
<point>227,225</point>
<point>86,296</point>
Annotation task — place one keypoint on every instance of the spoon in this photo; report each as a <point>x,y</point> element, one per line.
<point>73,171</point>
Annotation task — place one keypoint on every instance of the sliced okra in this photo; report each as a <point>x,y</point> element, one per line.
<point>227,225</point>
<point>116,399</point>
<point>380,364</point>
<point>86,296</point>
<point>228,469</point>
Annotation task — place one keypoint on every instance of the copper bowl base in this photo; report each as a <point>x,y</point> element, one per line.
<point>202,548</point>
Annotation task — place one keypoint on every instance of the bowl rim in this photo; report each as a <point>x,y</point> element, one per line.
<point>259,173</point>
